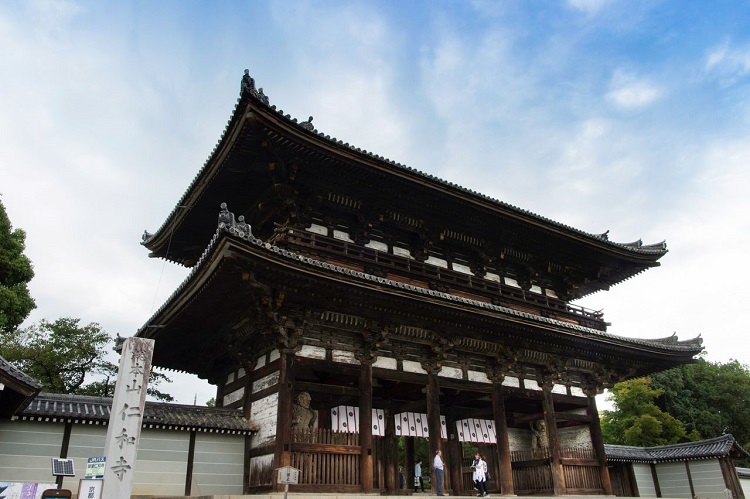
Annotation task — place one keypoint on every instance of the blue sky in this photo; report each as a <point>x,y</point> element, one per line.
<point>625,116</point>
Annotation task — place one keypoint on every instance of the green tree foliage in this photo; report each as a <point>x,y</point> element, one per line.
<point>15,273</point>
<point>710,398</point>
<point>637,420</point>
<point>68,358</point>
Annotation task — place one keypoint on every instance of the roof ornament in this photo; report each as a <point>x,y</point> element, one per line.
<point>248,85</point>
<point>243,228</point>
<point>604,236</point>
<point>226,218</point>
<point>307,125</point>
<point>146,236</point>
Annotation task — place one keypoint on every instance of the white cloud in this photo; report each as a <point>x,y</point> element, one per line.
<point>588,6</point>
<point>727,62</point>
<point>628,92</point>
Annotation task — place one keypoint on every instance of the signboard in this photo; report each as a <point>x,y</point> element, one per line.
<point>95,467</point>
<point>288,474</point>
<point>90,489</point>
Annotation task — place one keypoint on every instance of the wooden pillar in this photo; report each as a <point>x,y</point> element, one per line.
<point>433,423</point>
<point>391,453</point>
<point>283,452</point>
<point>365,426</point>
<point>455,455</point>
<point>558,477</point>
<point>247,412</point>
<point>505,480</point>
<point>411,461</point>
<point>597,441</point>
<point>190,464</point>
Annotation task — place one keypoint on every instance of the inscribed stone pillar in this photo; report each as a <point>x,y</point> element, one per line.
<point>505,480</point>
<point>126,417</point>
<point>558,477</point>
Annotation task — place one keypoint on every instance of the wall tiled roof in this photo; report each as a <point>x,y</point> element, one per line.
<point>722,446</point>
<point>96,410</point>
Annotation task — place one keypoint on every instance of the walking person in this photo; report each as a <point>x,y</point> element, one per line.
<point>438,464</point>
<point>479,475</point>
<point>418,482</point>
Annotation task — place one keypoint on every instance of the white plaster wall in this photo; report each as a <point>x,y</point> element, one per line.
<point>673,480</point>
<point>644,479</point>
<point>450,372</point>
<point>745,484</point>
<point>218,464</point>
<point>263,413</point>
<point>344,357</point>
<point>377,245</point>
<point>413,367</point>
<point>511,381</point>
<point>386,363</point>
<point>312,352</point>
<point>478,376</point>
<point>708,480</point>
<point>161,466</point>
<point>266,382</point>
<point>234,396</point>
<point>561,389</point>
<point>26,450</point>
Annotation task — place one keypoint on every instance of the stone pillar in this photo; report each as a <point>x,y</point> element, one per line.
<point>126,417</point>
<point>558,477</point>
<point>597,442</point>
<point>365,426</point>
<point>505,480</point>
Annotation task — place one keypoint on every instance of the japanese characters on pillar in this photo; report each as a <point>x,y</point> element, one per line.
<point>126,417</point>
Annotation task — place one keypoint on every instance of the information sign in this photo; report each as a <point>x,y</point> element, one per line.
<point>288,474</point>
<point>95,467</point>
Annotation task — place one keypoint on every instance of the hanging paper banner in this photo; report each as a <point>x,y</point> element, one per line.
<point>476,430</point>
<point>414,424</point>
<point>345,418</point>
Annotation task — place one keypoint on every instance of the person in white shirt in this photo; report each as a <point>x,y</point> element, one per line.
<point>438,465</point>
<point>418,482</point>
<point>479,476</point>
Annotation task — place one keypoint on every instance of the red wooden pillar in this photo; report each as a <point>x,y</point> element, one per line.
<point>505,480</point>
<point>283,452</point>
<point>597,441</point>
<point>433,423</point>
<point>558,477</point>
<point>365,426</point>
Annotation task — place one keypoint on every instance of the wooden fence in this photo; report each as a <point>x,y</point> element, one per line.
<point>326,458</point>
<point>532,473</point>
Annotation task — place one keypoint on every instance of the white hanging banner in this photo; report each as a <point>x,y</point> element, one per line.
<point>345,418</point>
<point>414,424</point>
<point>476,430</point>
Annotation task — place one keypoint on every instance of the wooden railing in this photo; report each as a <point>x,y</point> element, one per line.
<point>325,247</point>
<point>326,458</point>
<point>532,473</point>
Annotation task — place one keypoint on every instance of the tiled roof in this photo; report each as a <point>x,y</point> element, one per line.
<point>659,248</point>
<point>8,373</point>
<point>743,472</point>
<point>665,344</point>
<point>96,410</point>
<point>722,446</point>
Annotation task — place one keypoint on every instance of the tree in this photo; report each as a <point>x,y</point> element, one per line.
<point>637,420</point>
<point>68,358</point>
<point>710,398</point>
<point>15,273</point>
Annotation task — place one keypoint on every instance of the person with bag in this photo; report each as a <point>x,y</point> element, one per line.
<point>479,475</point>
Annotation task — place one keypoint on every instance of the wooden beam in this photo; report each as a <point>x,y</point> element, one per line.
<point>283,450</point>
<point>308,386</point>
<point>597,442</point>
<point>558,477</point>
<point>365,427</point>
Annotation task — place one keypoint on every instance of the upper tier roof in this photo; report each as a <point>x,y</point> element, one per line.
<point>267,165</point>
